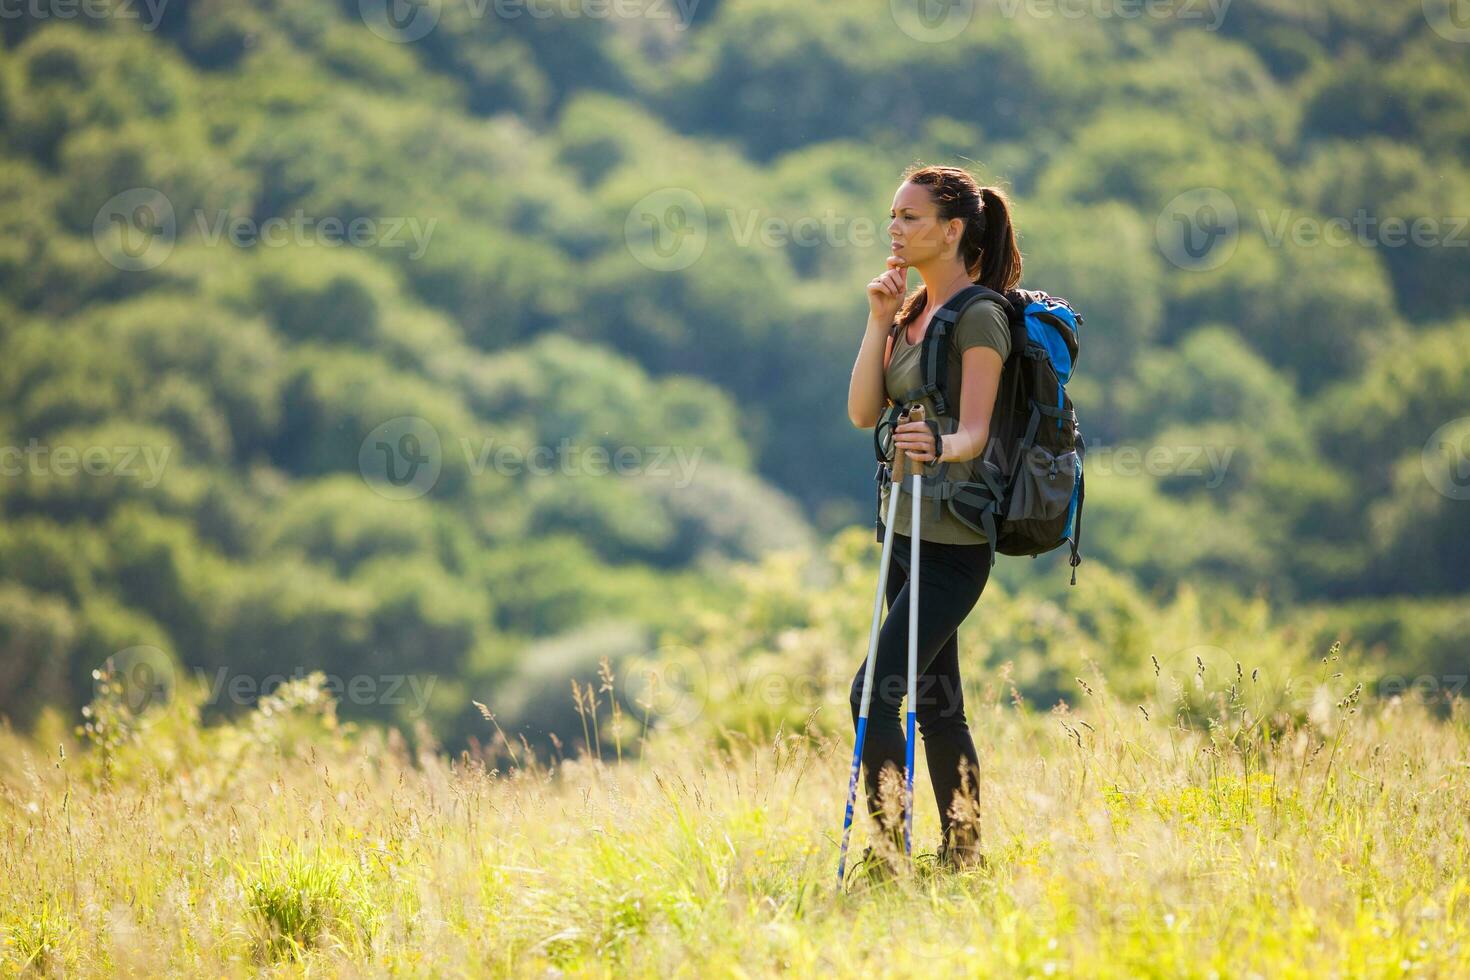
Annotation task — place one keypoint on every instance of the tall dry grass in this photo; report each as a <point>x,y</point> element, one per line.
<point>1122,840</point>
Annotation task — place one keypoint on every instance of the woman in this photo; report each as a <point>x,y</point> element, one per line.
<point>954,233</point>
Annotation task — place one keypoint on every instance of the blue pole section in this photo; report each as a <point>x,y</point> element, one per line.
<point>908,793</point>
<point>862,724</point>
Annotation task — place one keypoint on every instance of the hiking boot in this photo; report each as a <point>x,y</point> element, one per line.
<point>961,852</point>
<point>875,866</point>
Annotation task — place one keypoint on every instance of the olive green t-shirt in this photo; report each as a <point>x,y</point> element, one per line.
<point>982,324</point>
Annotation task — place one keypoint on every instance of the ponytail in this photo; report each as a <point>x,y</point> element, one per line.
<point>1000,259</point>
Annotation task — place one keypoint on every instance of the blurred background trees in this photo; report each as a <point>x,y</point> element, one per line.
<point>1304,399</point>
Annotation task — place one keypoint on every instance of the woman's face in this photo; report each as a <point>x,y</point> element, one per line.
<point>916,233</point>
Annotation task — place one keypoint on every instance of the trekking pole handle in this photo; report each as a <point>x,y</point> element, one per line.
<point>900,458</point>
<point>915,413</point>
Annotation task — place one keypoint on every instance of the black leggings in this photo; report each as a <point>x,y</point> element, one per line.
<point>951,578</point>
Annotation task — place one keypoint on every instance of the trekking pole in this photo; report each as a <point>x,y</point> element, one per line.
<point>895,481</point>
<point>916,415</point>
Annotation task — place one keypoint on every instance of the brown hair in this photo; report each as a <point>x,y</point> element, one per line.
<point>987,245</point>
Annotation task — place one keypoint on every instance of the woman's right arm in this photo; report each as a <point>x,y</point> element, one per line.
<point>866,392</point>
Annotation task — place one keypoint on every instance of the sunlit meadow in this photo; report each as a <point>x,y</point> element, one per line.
<point>1182,835</point>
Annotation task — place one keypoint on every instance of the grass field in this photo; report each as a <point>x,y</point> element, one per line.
<point>1118,846</point>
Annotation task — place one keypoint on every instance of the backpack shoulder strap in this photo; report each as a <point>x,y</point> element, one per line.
<point>938,341</point>
<point>960,301</point>
<point>938,338</point>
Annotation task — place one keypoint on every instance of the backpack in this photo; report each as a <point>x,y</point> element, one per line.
<point>1029,494</point>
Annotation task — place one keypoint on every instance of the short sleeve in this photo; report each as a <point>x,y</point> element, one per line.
<point>984,324</point>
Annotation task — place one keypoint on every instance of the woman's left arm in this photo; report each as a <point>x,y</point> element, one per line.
<point>981,366</point>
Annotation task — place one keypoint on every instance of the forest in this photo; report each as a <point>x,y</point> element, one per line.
<point>596,280</point>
